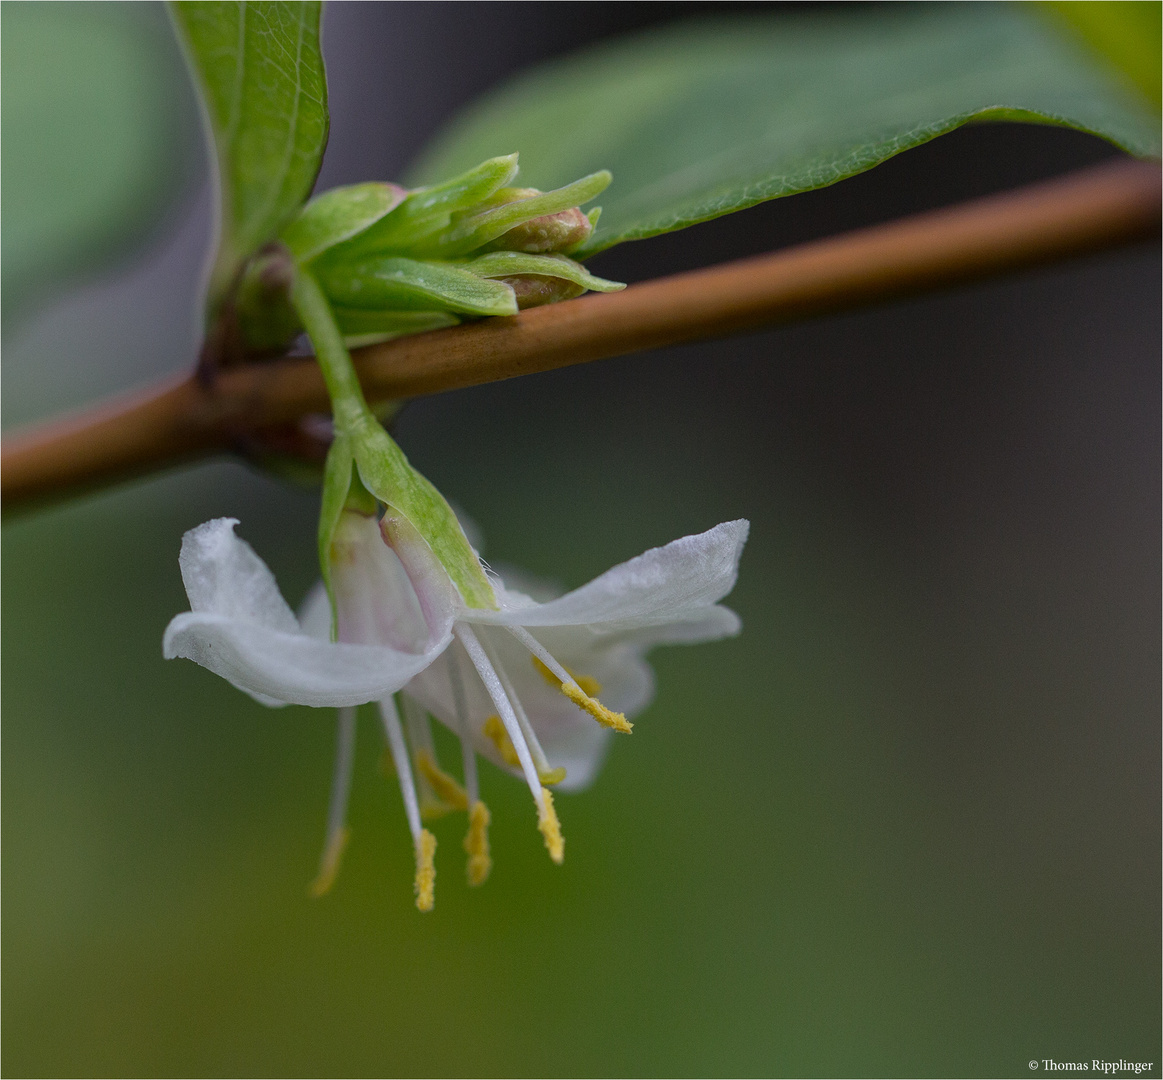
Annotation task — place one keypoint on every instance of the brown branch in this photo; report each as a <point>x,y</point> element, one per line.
<point>182,419</point>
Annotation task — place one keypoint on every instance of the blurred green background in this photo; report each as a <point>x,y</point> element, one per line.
<point>907,824</point>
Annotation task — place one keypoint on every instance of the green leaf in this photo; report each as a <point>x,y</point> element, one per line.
<point>714,116</point>
<point>1125,32</point>
<point>260,71</point>
<point>96,113</point>
<point>338,215</point>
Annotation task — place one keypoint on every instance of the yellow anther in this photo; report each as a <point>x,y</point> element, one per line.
<point>495,730</point>
<point>596,709</point>
<point>552,776</point>
<point>329,867</point>
<point>432,808</point>
<point>425,871</point>
<point>588,683</point>
<point>551,828</point>
<point>447,790</point>
<point>476,844</point>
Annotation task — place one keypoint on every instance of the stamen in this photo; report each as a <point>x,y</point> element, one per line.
<point>545,771</point>
<point>476,844</point>
<point>496,691</point>
<point>425,871</point>
<point>450,793</point>
<point>551,828</point>
<point>495,731</point>
<point>569,685</point>
<point>399,752</point>
<point>433,805</point>
<point>615,720</point>
<point>422,839</point>
<point>467,753</point>
<point>329,863</point>
<point>476,841</point>
<point>587,682</point>
<point>337,833</point>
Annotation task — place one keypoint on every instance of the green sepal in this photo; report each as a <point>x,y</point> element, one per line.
<point>387,281</point>
<point>387,474</point>
<point>338,215</point>
<point>501,264</point>
<point>337,478</point>
<point>475,231</point>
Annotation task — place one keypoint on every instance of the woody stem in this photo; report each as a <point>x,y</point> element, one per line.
<point>182,419</point>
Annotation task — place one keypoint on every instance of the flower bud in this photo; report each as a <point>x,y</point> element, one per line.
<point>550,233</point>
<point>533,290</point>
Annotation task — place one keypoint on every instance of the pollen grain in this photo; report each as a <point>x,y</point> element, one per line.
<point>551,828</point>
<point>588,683</point>
<point>494,729</point>
<point>450,793</point>
<point>425,871</point>
<point>476,844</point>
<point>615,720</point>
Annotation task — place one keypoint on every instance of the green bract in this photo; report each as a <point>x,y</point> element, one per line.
<point>393,262</point>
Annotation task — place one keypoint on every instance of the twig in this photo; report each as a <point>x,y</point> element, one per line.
<point>182,419</point>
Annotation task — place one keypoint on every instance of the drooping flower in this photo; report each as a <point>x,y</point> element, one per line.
<point>518,684</point>
<point>521,685</point>
<point>240,627</point>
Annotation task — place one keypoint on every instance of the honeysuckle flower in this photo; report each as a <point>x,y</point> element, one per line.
<point>518,684</point>
<point>240,627</point>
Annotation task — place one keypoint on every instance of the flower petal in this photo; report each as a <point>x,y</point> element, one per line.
<point>272,664</point>
<point>315,613</point>
<point>381,600</point>
<point>675,583</point>
<point>224,576</point>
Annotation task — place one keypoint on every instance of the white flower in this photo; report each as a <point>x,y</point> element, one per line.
<point>519,684</point>
<point>240,627</point>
